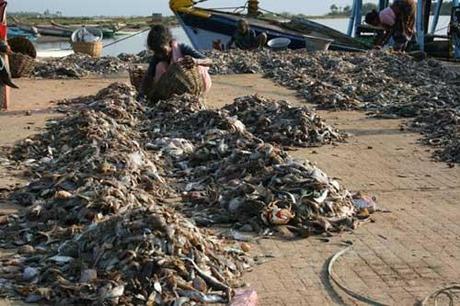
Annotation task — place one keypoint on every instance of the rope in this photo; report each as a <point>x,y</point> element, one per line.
<point>350,292</point>
<point>125,38</point>
<point>442,291</point>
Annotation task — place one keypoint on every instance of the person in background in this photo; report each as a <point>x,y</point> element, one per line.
<point>5,76</point>
<point>166,51</point>
<point>398,21</point>
<point>4,90</point>
<point>244,38</point>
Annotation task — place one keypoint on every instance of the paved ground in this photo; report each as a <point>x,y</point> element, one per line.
<point>399,258</point>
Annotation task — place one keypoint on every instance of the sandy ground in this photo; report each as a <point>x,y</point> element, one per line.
<point>398,259</point>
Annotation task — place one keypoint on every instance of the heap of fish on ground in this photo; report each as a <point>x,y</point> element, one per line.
<point>386,84</point>
<point>81,65</point>
<point>97,228</point>
<point>234,175</point>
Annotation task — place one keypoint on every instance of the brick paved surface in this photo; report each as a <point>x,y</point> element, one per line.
<point>399,258</point>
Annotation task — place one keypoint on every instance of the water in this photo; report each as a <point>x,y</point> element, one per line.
<point>137,43</point>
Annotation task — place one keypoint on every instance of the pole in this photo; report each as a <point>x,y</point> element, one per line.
<point>351,23</point>
<point>419,25</point>
<point>358,17</point>
<point>426,15</point>
<point>437,11</point>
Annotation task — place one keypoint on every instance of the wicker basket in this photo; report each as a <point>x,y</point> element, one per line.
<point>136,75</point>
<point>21,65</point>
<point>22,61</point>
<point>177,80</point>
<point>93,49</point>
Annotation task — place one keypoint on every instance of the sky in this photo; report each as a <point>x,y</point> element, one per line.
<point>146,7</point>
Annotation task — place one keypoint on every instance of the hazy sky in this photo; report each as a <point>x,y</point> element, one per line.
<point>146,7</point>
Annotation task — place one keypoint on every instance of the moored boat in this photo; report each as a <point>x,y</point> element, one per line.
<point>19,32</point>
<point>106,31</point>
<point>53,31</point>
<point>206,27</point>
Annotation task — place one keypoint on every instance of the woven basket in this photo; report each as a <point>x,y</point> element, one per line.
<point>22,61</point>
<point>136,75</point>
<point>21,65</point>
<point>93,49</point>
<point>177,81</point>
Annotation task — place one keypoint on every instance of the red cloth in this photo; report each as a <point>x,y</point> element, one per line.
<point>3,27</point>
<point>3,31</point>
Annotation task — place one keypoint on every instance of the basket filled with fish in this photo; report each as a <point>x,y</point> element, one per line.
<point>22,60</point>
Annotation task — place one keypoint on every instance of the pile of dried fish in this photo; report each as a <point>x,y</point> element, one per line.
<point>442,130</point>
<point>279,122</point>
<point>79,65</point>
<point>235,61</point>
<point>95,229</point>
<point>388,85</point>
<point>233,175</point>
<point>142,57</point>
<point>147,255</point>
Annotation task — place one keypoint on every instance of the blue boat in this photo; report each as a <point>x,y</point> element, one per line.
<point>19,32</point>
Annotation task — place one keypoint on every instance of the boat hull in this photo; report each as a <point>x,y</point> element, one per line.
<point>53,31</point>
<point>203,31</point>
<point>18,32</point>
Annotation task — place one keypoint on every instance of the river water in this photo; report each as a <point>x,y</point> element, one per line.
<point>137,43</point>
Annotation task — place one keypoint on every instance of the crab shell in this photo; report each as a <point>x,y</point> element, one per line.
<point>276,216</point>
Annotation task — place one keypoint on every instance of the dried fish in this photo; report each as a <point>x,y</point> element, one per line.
<point>79,65</point>
<point>113,185</point>
<point>380,82</point>
<point>93,205</point>
<point>279,122</point>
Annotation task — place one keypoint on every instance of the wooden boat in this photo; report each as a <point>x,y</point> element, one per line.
<point>53,31</point>
<point>106,31</point>
<point>19,32</point>
<point>205,27</point>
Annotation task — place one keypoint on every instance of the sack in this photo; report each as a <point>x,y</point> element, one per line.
<point>177,80</point>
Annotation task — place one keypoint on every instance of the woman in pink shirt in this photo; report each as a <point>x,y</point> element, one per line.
<point>398,20</point>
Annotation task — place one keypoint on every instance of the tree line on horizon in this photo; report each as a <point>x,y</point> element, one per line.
<point>335,10</point>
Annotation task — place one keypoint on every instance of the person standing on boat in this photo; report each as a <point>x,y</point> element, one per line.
<point>167,51</point>
<point>245,38</point>
<point>398,20</point>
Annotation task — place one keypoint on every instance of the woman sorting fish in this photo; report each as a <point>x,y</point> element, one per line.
<point>398,21</point>
<point>168,51</point>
